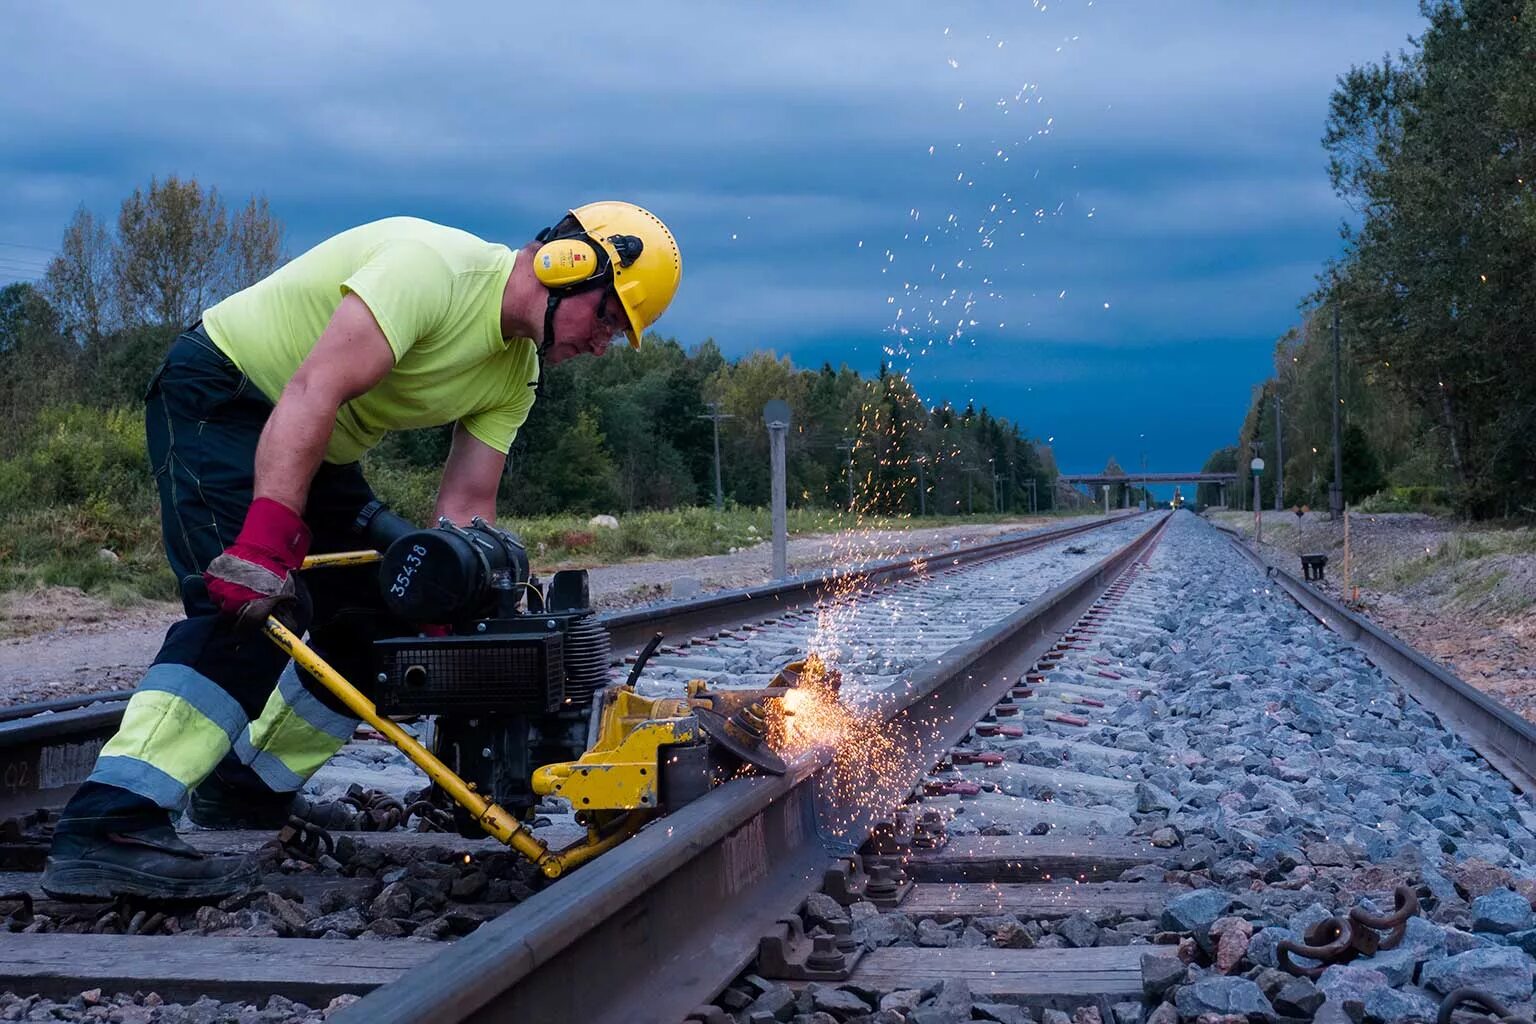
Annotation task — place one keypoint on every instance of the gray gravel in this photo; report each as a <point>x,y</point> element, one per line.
<point>149,1008</point>
<point>1288,778</point>
<point>876,638</point>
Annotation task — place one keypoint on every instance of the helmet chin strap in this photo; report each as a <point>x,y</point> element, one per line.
<point>552,303</point>
<point>549,323</point>
<point>548,341</point>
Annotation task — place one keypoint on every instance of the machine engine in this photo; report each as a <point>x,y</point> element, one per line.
<point>517,669</point>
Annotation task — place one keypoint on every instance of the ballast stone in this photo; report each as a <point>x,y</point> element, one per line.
<point>1224,996</point>
<point>1349,983</point>
<point>1398,1006</point>
<point>1500,971</point>
<point>1297,997</point>
<point>840,1003</point>
<point>1501,912</point>
<point>1195,911</point>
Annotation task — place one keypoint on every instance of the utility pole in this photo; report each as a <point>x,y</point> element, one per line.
<point>1146,499</point>
<point>776,419</point>
<point>1336,489</point>
<point>1257,467</point>
<point>716,416</point>
<point>1032,503</point>
<point>1279,458</point>
<point>847,445</point>
<point>922,486</point>
<point>995,507</point>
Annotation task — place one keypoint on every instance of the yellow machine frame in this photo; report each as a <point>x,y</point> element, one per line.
<point>614,786</point>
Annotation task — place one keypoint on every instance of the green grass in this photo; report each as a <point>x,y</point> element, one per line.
<point>81,486</point>
<point>1461,550</point>
<point>1433,501</point>
<point>1478,586</point>
<point>62,546</point>
<point>691,532</point>
<point>87,489</point>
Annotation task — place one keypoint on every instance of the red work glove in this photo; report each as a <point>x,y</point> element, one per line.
<point>254,575</point>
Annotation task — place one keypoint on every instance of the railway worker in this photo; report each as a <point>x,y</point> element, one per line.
<point>256,421</point>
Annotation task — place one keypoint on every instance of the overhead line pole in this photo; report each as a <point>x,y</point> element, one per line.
<point>715,415</point>
<point>776,419</point>
<point>1279,457</point>
<point>848,445</point>
<point>1336,490</point>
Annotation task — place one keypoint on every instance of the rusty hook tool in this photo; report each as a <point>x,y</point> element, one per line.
<point>1340,939</point>
<point>1477,997</point>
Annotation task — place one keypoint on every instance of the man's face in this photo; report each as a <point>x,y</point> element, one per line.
<point>580,329</point>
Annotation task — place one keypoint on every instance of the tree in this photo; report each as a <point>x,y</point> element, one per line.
<point>177,252</point>
<point>1435,290</point>
<point>121,297</point>
<point>580,476</point>
<point>1116,491</point>
<point>1362,473</point>
<point>79,283</point>
<point>255,244</point>
<point>37,363</point>
<point>1222,460</point>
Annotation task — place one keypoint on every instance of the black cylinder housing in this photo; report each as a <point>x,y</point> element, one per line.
<point>447,575</point>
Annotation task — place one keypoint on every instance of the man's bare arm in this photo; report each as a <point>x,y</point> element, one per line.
<point>351,356</point>
<point>470,479</point>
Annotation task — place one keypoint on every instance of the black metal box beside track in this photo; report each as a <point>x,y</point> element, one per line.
<point>510,673</point>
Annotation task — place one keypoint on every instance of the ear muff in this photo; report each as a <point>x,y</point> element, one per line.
<point>563,262</point>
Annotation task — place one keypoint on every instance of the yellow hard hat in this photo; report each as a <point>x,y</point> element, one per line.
<point>644,283</point>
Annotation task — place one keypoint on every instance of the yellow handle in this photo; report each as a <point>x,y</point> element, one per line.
<point>341,558</point>
<point>493,818</point>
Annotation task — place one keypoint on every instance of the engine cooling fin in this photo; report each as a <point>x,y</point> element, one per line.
<point>587,654</point>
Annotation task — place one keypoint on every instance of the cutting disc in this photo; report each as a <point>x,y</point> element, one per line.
<point>739,741</point>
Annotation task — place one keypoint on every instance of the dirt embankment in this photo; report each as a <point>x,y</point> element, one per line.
<point>62,642</point>
<point>1464,594</point>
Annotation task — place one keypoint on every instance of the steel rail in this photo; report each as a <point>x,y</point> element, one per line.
<point>47,749</point>
<point>672,915</point>
<point>632,628</point>
<point>1506,740</point>
<point>11,712</point>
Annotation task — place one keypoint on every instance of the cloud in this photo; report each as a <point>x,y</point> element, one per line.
<point>1162,158</point>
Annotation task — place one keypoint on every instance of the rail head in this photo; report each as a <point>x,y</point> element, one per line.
<point>1505,739</point>
<point>630,628</point>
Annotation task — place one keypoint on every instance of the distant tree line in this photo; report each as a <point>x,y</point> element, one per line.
<point>623,432</point>
<point>1436,289</point>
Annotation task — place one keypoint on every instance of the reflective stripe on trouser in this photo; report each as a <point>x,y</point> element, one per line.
<point>294,735</point>
<point>177,726</point>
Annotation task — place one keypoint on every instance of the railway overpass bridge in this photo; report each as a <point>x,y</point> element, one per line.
<point>1222,480</point>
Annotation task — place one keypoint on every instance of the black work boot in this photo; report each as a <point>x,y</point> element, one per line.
<point>220,804</point>
<point>152,863</point>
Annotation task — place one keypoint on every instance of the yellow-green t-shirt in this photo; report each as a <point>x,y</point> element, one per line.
<point>436,292</point>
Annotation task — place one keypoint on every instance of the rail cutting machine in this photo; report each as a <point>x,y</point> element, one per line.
<point>518,685</point>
